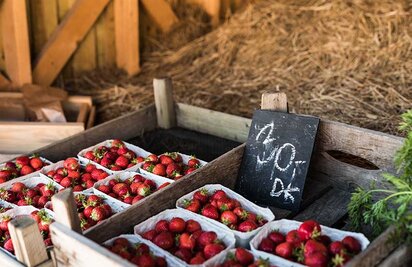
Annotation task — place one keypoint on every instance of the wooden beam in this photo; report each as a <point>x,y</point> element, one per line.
<point>106,55</point>
<point>161,13</point>
<point>16,45</point>
<point>65,210</point>
<point>126,18</point>
<point>65,39</point>
<point>165,107</point>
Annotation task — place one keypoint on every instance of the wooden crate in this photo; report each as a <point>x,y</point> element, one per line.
<point>325,198</point>
<point>19,136</point>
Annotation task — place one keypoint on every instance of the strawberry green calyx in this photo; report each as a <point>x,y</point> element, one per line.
<point>298,253</point>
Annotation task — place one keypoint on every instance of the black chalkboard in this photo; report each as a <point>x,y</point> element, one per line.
<point>276,158</point>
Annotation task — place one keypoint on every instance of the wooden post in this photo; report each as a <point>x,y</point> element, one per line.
<point>165,110</point>
<point>161,13</point>
<point>16,41</point>
<point>274,101</point>
<point>28,243</point>
<point>65,210</point>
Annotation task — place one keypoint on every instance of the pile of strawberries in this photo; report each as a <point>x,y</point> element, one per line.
<point>243,258</point>
<point>21,166</point>
<point>308,246</point>
<point>185,240</point>
<point>72,174</point>
<point>91,210</point>
<point>43,221</point>
<point>220,207</point>
<point>21,195</point>
<point>117,157</point>
<point>138,253</point>
<point>131,190</point>
<point>170,165</point>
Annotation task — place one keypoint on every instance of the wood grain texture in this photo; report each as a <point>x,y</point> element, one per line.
<point>126,24</point>
<point>65,210</point>
<point>161,13</point>
<point>73,249</point>
<point>274,101</point>
<point>124,127</point>
<point>105,40</point>
<point>65,39</point>
<point>165,107</point>
<point>223,170</point>
<point>92,117</point>
<point>27,241</point>
<point>16,46</point>
<point>401,257</point>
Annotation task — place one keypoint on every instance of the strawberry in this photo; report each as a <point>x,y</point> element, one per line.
<point>198,259</point>
<point>267,245</point>
<point>163,185</point>
<point>88,211</point>
<point>36,163</point>
<point>150,183</point>
<point>98,214</point>
<point>284,250</point>
<point>336,247</point>
<point>143,190</point>
<point>324,239</point>
<point>171,169</point>
<point>8,245</point>
<point>351,244</point>
<point>146,260</point>
<point>192,226</point>
<point>166,160</point>
<point>309,230</point>
<point>42,201</point>
<point>189,171</point>
<point>159,169</point>
<point>118,187</point>
<point>211,250</point>
<point>122,162</point>
<point>5,175</point>
<point>210,212</point>
<point>118,143</point>
<point>294,238</point>
<point>192,205</point>
<point>228,218</point>
<point>22,161</point>
<point>78,188</point>
<point>193,163</point>
<point>152,158</point>
<point>162,225</point>
<point>48,190</point>
<point>177,225</point>
<point>276,237</point>
<point>66,182</point>
<point>4,223</point>
<point>26,169</point>
<point>176,157</point>
<point>35,216</point>
<point>89,155</point>
<point>137,199</point>
<point>186,241</point>
<point>202,195</point>
<point>339,260</point>
<point>206,238</point>
<point>183,254</point>
<point>243,256</point>
<point>150,235</point>
<point>316,259</point>
<point>164,240</point>
<point>71,164</point>
<point>219,194</point>
<point>312,246</point>
<point>142,249</point>
<point>18,187</point>
<point>247,226</point>
<point>104,188</point>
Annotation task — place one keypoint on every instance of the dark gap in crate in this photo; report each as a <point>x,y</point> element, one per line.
<point>204,146</point>
<point>342,222</point>
<point>352,160</point>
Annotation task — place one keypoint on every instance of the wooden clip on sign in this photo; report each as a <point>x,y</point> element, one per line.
<point>277,154</point>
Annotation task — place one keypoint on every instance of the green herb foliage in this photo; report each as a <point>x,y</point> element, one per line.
<point>381,208</point>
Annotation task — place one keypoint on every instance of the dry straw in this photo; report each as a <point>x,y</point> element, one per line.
<point>349,61</point>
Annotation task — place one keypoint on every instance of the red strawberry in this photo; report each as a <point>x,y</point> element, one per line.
<point>152,158</point>
<point>324,239</point>
<point>192,205</point>
<point>8,245</point>
<point>210,212</point>
<point>284,250</point>
<point>66,182</point>
<point>193,163</point>
<point>143,190</point>
<point>206,238</point>
<point>121,241</point>
<point>78,188</point>
<point>150,183</point>
<point>189,171</point>
<point>104,188</point>
<point>211,250</point>
<point>159,169</point>
<point>26,169</point>
<point>5,175</point>
<point>192,226</point>
<point>163,185</point>
<point>89,155</point>
<point>267,245</point>
<point>176,157</point>
<point>162,225</point>
<point>122,162</point>
<point>351,244</point>
<point>202,195</point>
<point>317,259</point>
<point>336,247</point>
<point>35,216</point>
<point>243,256</point>
<point>137,199</point>
<point>4,223</point>
<point>118,143</point>
<point>177,225</point>
<point>198,259</point>
<point>18,187</point>
<point>119,187</point>
<point>146,260</point>
<point>42,201</point>
<point>71,164</point>
<point>36,163</point>
<point>228,218</point>
<point>183,254</point>
<point>166,160</point>
<point>171,169</point>
<point>22,161</point>
<point>164,240</point>
<point>276,237</point>
<point>90,168</point>
<point>294,238</point>
<point>187,241</point>
<point>247,226</point>
<point>98,214</point>
<point>142,249</point>
<point>309,230</point>
<point>149,235</point>
<point>313,246</point>
<point>219,194</point>
<point>339,260</point>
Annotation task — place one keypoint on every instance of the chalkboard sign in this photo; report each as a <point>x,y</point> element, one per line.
<point>276,158</point>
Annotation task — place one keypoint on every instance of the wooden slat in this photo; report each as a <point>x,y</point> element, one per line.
<point>23,137</point>
<point>401,257</point>
<point>92,116</point>
<point>65,39</point>
<point>84,59</point>
<point>63,9</point>
<point>124,127</point>
<point>161,13</point>
<point>83,112</point>
<point>126,17</point>
<point>223,170</point>
<point>165,107</point>
<point>16,45</point>
<point>279,100</point>
<point>105,41</point>
<point>73,249</point>
<point>65,209</point>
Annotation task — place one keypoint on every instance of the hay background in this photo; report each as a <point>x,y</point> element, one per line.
<point>349,61</point>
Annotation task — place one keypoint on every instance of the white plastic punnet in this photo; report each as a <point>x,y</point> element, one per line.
<point>36,173</point>
<point>242,238</point>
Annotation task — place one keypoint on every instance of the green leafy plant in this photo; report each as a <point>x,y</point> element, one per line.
<point>380,208</point>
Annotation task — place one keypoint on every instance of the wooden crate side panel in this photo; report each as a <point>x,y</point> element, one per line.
<point>125,127</point>
<point>401,257</point>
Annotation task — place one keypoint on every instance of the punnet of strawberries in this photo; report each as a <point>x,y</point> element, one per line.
<point>136,253</point>
<point>116,157</point>
<point>20,166</point>
<point>73,174</point>
<point>43,221</point>
<point>23,195</point>
<point>244,258</point>
<point>185,239</point>
<point>130,190</point>
<point>307,245</point>
<point>170,165</point>
<point>220,207</point>
<point>91,210</point>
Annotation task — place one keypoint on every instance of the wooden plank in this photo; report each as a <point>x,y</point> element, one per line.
<point>16,45</point>
<point>44,20</point>
<point>213,122</point>
<point>92,116</point>
<point>105,41</point>
<point>328,209</point>
<point>124,127</point>
<point>23,137</point>
<point>84,59</point>
<point>277,100</point>
<point>73,249</point>
<point>163,95</point>
<point>2,60</point>
<point>401,257</point>
<point>27,241</point>
<point>65,39</point>
<point>83,112</point>
<point>161,13</point>
<point>81,99</point>
<point>65,210</point>
<point>223,170</point>
<point>126,18</point>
